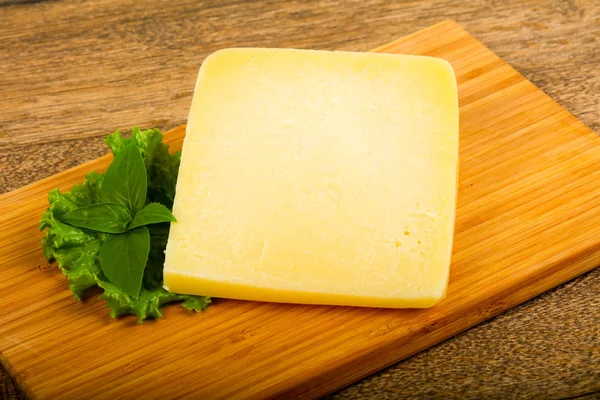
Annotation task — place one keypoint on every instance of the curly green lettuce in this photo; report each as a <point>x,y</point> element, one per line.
<point>76,249</point>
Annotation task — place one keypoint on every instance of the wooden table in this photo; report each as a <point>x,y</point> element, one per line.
<point>73,71</point>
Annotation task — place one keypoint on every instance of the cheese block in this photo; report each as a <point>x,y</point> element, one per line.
<point>317,177</point>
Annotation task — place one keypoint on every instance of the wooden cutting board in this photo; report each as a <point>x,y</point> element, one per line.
<point>527,221</point>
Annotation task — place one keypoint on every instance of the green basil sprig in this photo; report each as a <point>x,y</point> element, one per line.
<point>124,215</point>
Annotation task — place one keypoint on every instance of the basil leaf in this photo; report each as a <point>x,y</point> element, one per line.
<point>101,217</point>
<point>125,181</point>
<point>123,259</point>
<point>153,213</point>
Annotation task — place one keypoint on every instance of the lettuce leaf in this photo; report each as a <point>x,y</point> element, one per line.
<point>76,249</point>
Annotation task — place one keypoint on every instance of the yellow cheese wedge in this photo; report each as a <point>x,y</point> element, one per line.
<point>317,177</point>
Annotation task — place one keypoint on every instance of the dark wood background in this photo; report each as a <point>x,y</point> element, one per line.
<point>73,71</point>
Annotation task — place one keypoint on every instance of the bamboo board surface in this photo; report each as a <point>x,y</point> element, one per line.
<point>526,222</point>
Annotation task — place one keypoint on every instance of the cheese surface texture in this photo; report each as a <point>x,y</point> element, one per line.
<point>317,177</point>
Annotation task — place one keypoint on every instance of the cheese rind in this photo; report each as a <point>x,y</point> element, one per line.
<point>317,177</point>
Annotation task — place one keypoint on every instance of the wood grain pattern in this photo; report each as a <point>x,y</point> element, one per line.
<point>528,172</point>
